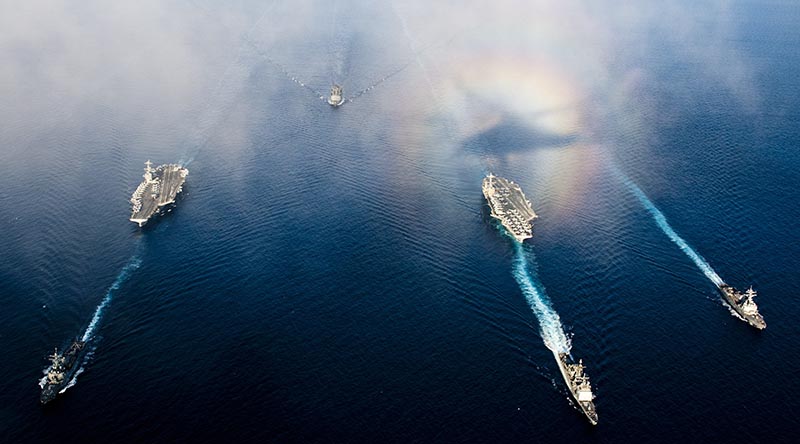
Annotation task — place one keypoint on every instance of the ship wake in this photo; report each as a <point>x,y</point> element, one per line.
<point>378,82</point>
<point>550,327</point>
<point>90,332</point>
<point>412,43</point>
<point>662,223</point>
<point>285,71</point>
<point>340,46</point>
<point>733,312</point>
<point>74,379</point>
<point>417,54</point>
<point>185,161</point>
<point>132,265</point>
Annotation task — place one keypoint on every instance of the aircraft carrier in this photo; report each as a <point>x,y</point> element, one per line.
<point>160,187</point>
<point>61,371</point>
<point>578,384</point>
<point>510,206</point>
<point>744,305</point>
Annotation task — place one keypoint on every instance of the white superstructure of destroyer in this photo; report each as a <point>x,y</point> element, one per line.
<point>509,206</point>
<point>744,305</point>
<point>336,98</point>
<point>158,189</point>
<point>578,384</point>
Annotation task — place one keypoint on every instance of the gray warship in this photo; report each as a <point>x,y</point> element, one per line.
<point>158,189</point>
<point>336,98</point>
<point>510,206</point>
<point>578,384</point>
<point>743,304</point>
<point>62,368</point>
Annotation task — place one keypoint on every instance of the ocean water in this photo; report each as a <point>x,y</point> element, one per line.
<point>333,275</point>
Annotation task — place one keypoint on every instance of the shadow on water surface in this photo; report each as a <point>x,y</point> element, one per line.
<point>512,136</point>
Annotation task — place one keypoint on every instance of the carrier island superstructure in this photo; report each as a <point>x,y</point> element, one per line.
<point>509,206</point>
<point>513,209</point>
<point>744,305</point>
<point>158,189</point>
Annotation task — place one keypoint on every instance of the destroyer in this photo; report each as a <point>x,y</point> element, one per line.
<point>578,384</point>
<point>336,98</point>
<point>510,206</point>
<point>61,371</point>
<point>160,187</point>
<point>743,304</point>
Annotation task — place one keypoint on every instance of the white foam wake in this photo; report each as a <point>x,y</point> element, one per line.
<point>661,220</point>
<point>88,334</point>
<point>186,160</point>
<point>123,276</point>
<point>549,322</point>
<point>74,379</point>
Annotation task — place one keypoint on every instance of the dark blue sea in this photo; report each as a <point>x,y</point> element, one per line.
<point>333,275</point>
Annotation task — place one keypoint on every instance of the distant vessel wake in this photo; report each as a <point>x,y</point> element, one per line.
<point>661,220</point>
<point>549,322</point>
<point>413,46</point>
<point>132,265</point>
<point>219,102</point>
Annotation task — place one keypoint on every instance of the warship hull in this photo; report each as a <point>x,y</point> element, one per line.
<point>586,405</point>
<point>68,365</point>
<point>336,98</point>
<point>733,299</point>
<point>510,206</point>
<point>157,192</point>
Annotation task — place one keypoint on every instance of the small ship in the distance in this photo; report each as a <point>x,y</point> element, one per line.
<point>62,369</point>
<point>743,304</point>
<point>336,98</point>
<point>509,205</point>
<point>158,189</point>
<point>578,384</point>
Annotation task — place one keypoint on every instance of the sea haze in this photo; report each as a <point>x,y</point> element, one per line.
<point>333,274</point>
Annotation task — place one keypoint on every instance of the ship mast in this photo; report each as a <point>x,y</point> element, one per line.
<point>55,358</point>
